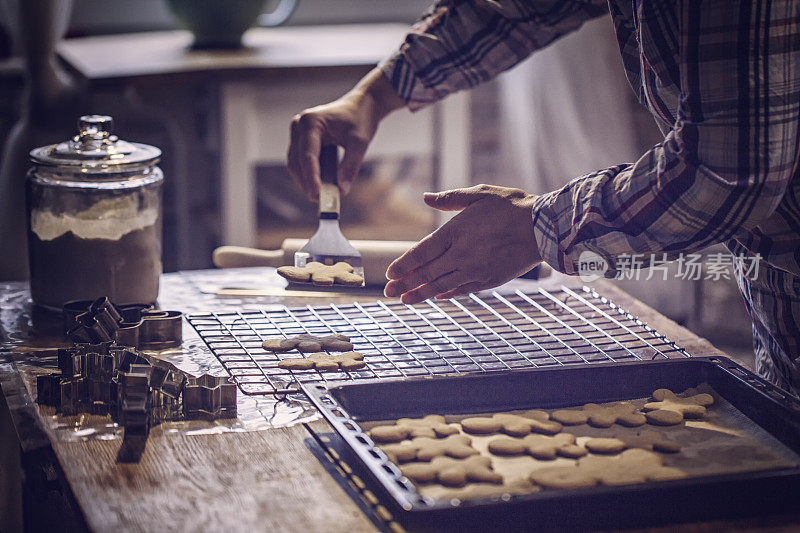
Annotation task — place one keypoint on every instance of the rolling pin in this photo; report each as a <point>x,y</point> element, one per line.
<point>376,255</point>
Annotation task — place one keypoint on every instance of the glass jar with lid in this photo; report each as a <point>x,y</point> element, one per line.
<point>94,218</point>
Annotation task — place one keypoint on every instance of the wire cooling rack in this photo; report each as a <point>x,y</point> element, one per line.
<point>475,333</point>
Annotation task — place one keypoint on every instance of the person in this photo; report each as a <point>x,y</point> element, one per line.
<point>721,78</point>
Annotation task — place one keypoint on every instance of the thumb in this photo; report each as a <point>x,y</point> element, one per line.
<point>455,199</point>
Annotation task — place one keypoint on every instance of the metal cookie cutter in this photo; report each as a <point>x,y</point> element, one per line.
<point>137,325</point>
<point>138,390</point>
<point>209,397</point>
<point>135,400</point>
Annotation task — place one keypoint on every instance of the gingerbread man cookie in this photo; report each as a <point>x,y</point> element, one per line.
<point>670,409</point>
<point>309,343</point>
<point>538,446</point>
<point>605,445</point>
<point>426,448</point>
<point>663,417</point>
<point>453,472</point>
<point>651,440</point>
<point>631,466</point>
<point>341,274</point>
<point>511,424</point>
<point>430,426</point>
<point>603,416</point>
<point>323,362</point>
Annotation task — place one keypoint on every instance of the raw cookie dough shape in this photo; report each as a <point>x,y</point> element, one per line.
<point>631,466</point>
<point>510,424</point>
<point>605,445</point>
<point>603,416</point>
<point>538,446</point>
<point>309,343</point>
<point>648,439</point>
<point>340,274</point>
<point>430,426</point>
<point>453,472</point>
<point>693,406</point>
<point>662,417</point>
<point>426,448</point>
<point>323,362</point>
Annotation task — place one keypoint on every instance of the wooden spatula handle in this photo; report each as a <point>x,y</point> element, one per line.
<point>329,192</point>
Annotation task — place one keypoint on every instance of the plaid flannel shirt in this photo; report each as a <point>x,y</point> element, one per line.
<point>722,79</point>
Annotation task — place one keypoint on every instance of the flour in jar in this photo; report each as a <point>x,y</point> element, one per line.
<point>108,219</point>
<point>112,248</point>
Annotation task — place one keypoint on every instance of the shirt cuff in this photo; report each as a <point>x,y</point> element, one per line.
<point>546,235</point>
<point>581,260</point>
<point>401,73</point>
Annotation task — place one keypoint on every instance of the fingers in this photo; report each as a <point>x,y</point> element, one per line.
<point>310,143</point>
<point>434,270</point>
<point>457,199</point>
<point>292,161</point>
<point>303,154</point>
<point>467,288</point>
<point>434,287</point>
<point>422,253</point>
<point>306,134</point>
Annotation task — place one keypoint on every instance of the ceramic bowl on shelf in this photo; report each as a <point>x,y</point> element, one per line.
<point>220,24</point>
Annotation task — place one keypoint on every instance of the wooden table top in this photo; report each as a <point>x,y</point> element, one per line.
<point>265,480</point>
<point>167,53</point>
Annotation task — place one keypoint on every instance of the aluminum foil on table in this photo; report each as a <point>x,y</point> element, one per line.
<point>29,338</point>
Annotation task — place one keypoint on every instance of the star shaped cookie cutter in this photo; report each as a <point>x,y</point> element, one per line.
<point>209,397</point>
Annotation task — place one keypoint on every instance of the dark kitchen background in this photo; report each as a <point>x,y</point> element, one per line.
<point>534,127</point>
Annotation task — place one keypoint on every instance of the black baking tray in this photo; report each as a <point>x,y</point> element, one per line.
<point>345,405</point>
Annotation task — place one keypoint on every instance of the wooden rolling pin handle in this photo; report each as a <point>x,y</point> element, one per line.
<point>239,256</point>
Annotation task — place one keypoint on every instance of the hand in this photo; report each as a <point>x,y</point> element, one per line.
<point>490,242</point>
<point>350,122</point>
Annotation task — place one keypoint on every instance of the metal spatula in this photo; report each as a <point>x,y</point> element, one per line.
<point>328,246</point>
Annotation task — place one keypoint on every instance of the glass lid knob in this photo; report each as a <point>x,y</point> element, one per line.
<point>95,128</point>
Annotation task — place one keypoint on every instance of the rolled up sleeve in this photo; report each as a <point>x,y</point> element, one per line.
<point>459,44</point>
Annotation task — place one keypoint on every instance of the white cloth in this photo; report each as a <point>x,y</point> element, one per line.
<point>569,110</point>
